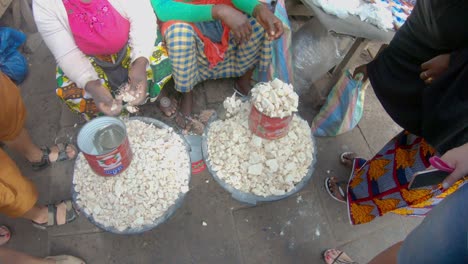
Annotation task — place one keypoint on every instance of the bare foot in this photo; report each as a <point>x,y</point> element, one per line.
<point>5,235</point>
<point>335,190</point>
<point>347,159</point>
<point>336,256</point>
<point>205,115</point>
<point>183,117</point>
<point>54,152</point>
<point>243,86</point>
<point>61,215</point>
<point>168,106</point>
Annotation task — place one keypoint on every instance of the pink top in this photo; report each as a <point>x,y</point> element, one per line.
<point>98,29</point>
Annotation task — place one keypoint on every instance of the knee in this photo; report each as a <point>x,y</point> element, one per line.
<point>179,32</point>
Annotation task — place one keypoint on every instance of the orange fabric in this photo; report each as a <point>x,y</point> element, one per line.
<point>17,193</point>
<point>214,52</point>
<point>12,109</point>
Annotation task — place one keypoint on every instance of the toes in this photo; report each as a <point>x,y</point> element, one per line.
<point>71,151</point>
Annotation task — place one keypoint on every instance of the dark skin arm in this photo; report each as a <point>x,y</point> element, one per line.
<point>240,26</point>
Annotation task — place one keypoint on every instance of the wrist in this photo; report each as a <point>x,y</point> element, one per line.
<point>257,9</point>
<point>91,86</point>
<point>218,11</point>
<point>140,62</point>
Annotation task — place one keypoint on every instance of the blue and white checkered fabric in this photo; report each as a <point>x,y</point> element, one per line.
<point>190,65</point>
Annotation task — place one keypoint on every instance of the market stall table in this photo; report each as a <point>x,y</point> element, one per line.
<point>349,26</point>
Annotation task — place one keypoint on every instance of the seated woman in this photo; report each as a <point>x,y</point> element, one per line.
<point>211,39</point>
<point>100,45</point>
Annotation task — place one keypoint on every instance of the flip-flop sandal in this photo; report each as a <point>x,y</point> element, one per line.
<point>62,156</point>
<point>70,215</point>
<point>164,103</point>
<point>185,118</point>
<point>340,189</point>
<point>340,258</point>
<point>238,92</point>
<point>65,259</point>
<point>347,158</point>
<point>6,236</point>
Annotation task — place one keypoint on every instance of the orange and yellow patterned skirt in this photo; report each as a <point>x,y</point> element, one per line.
<point>380,185</point>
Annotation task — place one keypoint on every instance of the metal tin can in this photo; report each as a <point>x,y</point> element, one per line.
<point>105,145</point>
<point>196,156</point>
<point>268,127</point>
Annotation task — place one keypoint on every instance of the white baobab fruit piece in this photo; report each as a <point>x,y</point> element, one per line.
<point>275,99</point>
<point>232,105</point>
<point>254,165</point>
<point>146,189</point>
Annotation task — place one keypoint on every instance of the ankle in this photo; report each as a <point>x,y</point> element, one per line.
<point>34,155</point>
<point>42,216</point>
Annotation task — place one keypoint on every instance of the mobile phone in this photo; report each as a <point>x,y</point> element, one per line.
<point>427,178</point>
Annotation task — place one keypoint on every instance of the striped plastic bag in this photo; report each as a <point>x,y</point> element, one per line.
<point>343,109</point>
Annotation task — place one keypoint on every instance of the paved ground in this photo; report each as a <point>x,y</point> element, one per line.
<point>294,230</point>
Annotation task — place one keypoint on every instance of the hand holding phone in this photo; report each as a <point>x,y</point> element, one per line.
<point>426,178</point>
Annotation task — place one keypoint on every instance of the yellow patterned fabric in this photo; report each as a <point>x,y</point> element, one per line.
<point>158,74</point>
<point>380,185</point>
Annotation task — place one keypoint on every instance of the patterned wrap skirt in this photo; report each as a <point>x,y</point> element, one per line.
<point>191,66</point>
<point>158,74</point>
<point>380,185</point>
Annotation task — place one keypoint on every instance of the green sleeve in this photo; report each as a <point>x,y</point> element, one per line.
<point>171,10</point>
<point>246,6</point>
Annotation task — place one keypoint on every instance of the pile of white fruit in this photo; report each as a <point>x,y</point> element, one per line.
<point>254,165</point>
<point>157,176</point>
<point>275,99</point>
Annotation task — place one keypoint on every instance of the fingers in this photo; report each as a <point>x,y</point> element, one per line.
<point>426,65</point>
<point>110,108</point>
<point>244,32</point>
<point>278,29</point>
<point>427,76</point>
<point>456,175</point>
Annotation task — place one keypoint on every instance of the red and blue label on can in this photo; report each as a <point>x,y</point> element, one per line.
<point>111,163</point>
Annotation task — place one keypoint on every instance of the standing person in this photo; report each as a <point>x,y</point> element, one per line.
<point>420,79</point>
<point>11,256</point>
<point>18,195</point>
<point>442,237</point>
<point>100,45</point>
<point>211,39</point>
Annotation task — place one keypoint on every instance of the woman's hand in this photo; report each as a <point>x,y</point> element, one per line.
<point>272,25</point>
<point>363,70</point>
<point>433,68</point>
<point>237,22</point>
<point>103,98</point>
<point>457,158</point>
<point>138,81</point>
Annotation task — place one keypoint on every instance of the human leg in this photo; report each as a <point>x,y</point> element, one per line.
<point>159,74</point>
<point>243,83</point>
<point>5,235</point>
<point>442,237</point>
<point>15,257</point>
<point>24,145</point>
<point>18,196</point>
<point>11,256</point>
<point>181,46</point>
<point>388,256</point>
